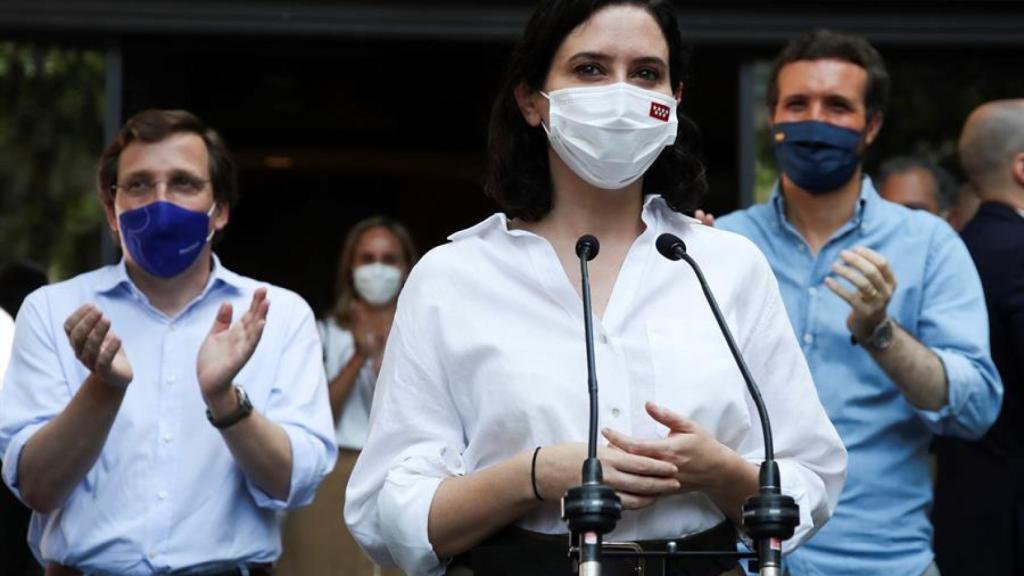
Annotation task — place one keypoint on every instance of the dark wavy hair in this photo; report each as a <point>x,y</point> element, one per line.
<point>519,177</point>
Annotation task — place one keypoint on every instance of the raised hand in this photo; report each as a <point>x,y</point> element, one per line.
<point>97,347</point>
<point>698,458</point>
<point>369,330</point>
<point>228,347</point>
<point>870,274</point>
<point>638,480</point>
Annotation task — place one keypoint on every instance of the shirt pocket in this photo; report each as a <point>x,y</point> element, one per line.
<point>695,376</point>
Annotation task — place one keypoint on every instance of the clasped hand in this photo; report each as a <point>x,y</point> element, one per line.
<point>640,470</point>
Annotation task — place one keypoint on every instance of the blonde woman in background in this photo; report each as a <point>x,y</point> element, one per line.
<point>375,260</point>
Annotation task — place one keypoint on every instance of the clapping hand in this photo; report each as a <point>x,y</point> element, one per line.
<point>228,347</point>
<point>97,347</point>
<point>874,284</point>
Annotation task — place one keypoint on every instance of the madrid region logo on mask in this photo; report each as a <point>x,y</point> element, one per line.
<point>610,135</point>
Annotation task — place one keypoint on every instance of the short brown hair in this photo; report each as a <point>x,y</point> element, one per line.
<point>156,125</point>
<point>824,44</point>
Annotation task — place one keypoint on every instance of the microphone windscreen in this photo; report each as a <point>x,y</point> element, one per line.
<point>587,247</point>
<point>670,246</point>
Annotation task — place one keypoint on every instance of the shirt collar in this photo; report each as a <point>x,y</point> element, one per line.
<point>863,212</point>
<point>113,277</point>
<point>653,205</point>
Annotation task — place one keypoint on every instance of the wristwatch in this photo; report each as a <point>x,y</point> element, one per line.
<point>243,411</point>
<point>881,336</point>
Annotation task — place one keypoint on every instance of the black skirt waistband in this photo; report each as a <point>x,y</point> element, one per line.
<point>516,552</point>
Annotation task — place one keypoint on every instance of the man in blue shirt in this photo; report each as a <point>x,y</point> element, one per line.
<point>885,301</point>
<point>149,426</point>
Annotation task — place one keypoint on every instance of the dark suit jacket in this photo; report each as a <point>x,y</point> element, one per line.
<point>979,497</point>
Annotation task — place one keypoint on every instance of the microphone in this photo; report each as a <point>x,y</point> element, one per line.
<point>591,509</point>
<point>769,516</point>
<point>587,248</point>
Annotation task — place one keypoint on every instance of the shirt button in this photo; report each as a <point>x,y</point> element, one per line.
<point>616,412</point>
<point>808,338</point>
<point>171,378</point>
<point>162,494</point>
<point>812,291</point>
<point>153,554</point>
<point>168,438</point>
<point>603,338</point>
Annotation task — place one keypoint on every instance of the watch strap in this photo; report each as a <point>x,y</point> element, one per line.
<point>881,336</point>
<point>243,411</point>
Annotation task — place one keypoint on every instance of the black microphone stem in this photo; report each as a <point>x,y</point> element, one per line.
<point>748,379</point>
<point>769,516</point>
<point>588,328</point>
<point>592,508</point>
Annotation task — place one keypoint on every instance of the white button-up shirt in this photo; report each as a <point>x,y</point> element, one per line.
<point>486,359</point>
<point>339,347</point>
<point>165,492</point>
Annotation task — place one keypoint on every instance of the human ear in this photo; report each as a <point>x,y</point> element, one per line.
<point>874,126</point>
<point>527,100</point>
<point>221,216</point>
<point>1017,169</point>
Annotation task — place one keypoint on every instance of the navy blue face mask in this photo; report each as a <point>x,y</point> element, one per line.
<point>817,156</point>
<point>164,238</point>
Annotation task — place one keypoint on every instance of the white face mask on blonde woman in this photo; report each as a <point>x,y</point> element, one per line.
<point>377,283</point>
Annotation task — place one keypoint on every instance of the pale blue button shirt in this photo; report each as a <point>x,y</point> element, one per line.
<point>165,492</point>
<point>881,525</point>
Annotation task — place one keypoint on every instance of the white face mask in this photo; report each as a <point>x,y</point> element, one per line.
<point>610,135</point>
<point>377,283</point>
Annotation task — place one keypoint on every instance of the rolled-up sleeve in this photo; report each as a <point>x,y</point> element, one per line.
<point>35,390</point>
<point>298,403</point>
<point>954,324</point>
<point>811,457</point>
<point>415,441</point>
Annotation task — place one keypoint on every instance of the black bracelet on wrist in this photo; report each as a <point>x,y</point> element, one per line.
<point>533,474</point>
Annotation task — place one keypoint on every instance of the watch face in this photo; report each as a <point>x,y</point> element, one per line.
<point>881,338</point>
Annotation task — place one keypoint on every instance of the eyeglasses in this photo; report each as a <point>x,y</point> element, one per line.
<point>181,185</point>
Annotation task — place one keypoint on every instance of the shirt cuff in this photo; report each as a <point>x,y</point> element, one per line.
<point>404,507</point>
<point>13,455</point>
<point>961,415</point>
<point>311,461</point>
<point>813,515</point>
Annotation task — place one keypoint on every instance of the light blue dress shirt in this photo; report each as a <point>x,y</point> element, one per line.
<point>165,492</point>
<point>881,525</point>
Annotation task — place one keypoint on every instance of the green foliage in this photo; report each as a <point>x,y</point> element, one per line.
<point>51,133</point>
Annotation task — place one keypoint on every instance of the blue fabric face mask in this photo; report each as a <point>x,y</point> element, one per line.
<point>164,238</point>
<point>817,156</point>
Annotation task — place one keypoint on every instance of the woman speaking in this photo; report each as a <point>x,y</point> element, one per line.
<point>480,415</point>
